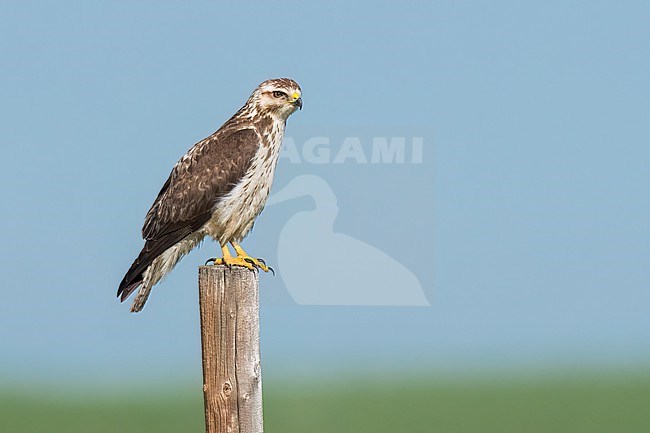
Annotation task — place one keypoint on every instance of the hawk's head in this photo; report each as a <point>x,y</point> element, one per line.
<point>279,97</point>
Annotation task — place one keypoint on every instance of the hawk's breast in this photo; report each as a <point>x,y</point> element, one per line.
<point>235,213</point>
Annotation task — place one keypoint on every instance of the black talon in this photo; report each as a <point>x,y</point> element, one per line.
<point>213,260</point>
<point>261,260</point>
<point>251,261</point>
<point>271,269</point>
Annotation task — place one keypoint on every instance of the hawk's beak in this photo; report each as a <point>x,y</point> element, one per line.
<point>298,103</point>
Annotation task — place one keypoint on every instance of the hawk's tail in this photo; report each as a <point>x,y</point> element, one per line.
<point>125,291</point>
<point>152,264</point>
<point>135,277</point>
<point>141,297</point>
<point>141,280</point>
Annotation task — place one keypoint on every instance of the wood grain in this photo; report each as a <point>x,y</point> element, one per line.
<point>232,375</point>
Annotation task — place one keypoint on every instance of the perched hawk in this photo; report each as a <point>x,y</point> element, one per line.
<point>217,189</point>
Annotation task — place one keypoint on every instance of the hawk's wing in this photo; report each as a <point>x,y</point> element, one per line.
<point>185,203</point>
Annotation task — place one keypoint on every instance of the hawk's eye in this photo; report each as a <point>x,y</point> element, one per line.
<point>278,94</point>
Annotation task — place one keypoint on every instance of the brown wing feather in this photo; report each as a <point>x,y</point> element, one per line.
<point>210,170</point>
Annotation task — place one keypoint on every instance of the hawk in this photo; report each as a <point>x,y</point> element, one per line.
<point>216,189</point>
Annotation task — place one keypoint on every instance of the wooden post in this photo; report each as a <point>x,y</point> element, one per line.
<point>230,341</point>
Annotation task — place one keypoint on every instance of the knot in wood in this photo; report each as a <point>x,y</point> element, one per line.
<point>227,388</point>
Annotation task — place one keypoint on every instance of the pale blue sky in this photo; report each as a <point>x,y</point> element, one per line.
<point>527,222</point>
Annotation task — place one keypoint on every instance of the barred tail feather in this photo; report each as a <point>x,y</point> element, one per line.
<point>135,275</point>
<point>148,269</point>
<point>141,298</point>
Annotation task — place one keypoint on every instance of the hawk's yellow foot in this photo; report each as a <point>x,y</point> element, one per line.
<point>242,259</point>
<point>257,262</point>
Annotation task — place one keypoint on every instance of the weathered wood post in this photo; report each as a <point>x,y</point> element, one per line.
<point>230,342</point>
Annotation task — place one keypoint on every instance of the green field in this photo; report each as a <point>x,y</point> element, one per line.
<point>594,404</point>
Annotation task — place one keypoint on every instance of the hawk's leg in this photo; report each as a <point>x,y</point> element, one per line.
<point>242,259</point>
<point>225,252</point>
